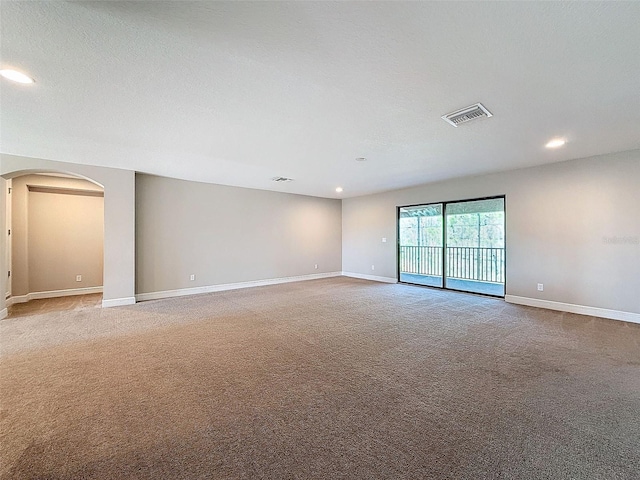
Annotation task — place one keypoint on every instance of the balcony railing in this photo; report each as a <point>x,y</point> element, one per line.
<point>467,263</point>
<point>421,260</point>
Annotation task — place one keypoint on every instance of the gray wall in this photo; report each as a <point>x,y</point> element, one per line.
<point>229,234</point>
<point>55,236</point>
<point>573,226</point>
<point>119,215</point>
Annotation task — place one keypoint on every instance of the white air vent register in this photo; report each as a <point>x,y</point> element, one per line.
<point>466,114</point>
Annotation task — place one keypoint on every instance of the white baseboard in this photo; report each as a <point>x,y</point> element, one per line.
<point>52,294</point>
<point>118,302</point>
<point>571,308</point>
<point>141,297</point>
<point>370,277</point>
<point>3,313</point>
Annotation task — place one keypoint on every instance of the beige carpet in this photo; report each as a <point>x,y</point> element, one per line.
<point>47,305</point>
<point>335,378</point>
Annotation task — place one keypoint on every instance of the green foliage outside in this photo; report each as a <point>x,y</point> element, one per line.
<point>480,230</point>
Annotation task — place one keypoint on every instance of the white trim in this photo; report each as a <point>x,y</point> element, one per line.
<point>118,302</point>
<point>3,313</point>
<point>52,294</point>
<point>571,308</point>
<point>141,297</point>
<point>373,278</point>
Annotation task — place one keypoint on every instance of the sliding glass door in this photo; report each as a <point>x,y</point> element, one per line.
<point>475,246</point>
<point>454,245</point>
<point>421,236</point>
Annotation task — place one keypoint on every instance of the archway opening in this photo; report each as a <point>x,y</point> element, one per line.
<point>55,244</point>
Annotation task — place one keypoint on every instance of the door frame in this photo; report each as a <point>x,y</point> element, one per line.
<point>9,256</point>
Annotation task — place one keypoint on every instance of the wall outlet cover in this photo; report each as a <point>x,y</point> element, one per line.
<point>78,278</point>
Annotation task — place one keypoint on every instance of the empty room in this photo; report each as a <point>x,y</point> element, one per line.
<point>319,240</point>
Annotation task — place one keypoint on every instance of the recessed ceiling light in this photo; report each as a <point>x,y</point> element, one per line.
<point>339,189</point>
<point>361,159</point>
<point>15,76</point>
<point>556,142</point>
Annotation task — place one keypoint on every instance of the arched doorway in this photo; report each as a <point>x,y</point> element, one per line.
<point>55,244</point>
<point>119,221</point>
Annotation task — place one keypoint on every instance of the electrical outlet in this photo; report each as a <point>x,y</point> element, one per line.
<point>384,239</point>
<point>373,267</point>
<point>78,278</point>
<point>192,277</point>
<point>540,287</point>
<point>316,266</point>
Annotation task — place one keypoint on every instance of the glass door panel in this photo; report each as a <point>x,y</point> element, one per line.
<point>475,246</point>
<point>421,234</point>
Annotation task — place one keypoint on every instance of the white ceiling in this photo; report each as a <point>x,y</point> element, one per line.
<point>237,93</point>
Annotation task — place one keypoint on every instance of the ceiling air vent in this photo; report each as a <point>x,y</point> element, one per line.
<point>466,114</point>
<point>282,179</point>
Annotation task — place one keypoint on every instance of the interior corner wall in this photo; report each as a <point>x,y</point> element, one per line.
<point>573,226</point>
<point>119,218</point>
<point>226,235</point>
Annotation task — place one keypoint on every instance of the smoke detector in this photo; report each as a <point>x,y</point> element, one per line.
<point>282,179</point>
<point>467,114</point>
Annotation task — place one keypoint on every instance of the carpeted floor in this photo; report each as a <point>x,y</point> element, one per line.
<point>47,305</point>
<point>334,378</point>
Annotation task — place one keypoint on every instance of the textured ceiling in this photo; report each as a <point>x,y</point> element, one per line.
<point>237,93</point>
